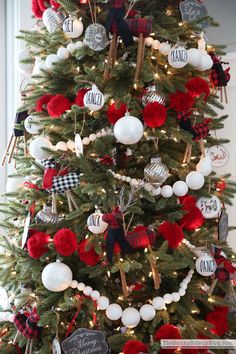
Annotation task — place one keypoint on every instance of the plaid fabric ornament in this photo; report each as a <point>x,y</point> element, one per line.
<point>225,270</point>
<point>141,237</point>
<point>136,26</point>
<point>27,325</point>
<point>198,131</point>
<point>219,77</point>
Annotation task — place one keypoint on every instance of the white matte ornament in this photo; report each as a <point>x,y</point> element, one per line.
<point>51,60</point>
<point>63,53</point>
<point>130,317</point>
<point>194,57</point>
<point>210,207</point>
<point>147,312</point>
<point>167,191</point>
<point>102,303</point>
<point>206,265</point>
<point>114,312</point>
<point>180,188</point>
<point>36,148</point>
<point>25,68</point>
<point>95,223</point>
<point>73,27</point>
<point>128,130</point>
<point>30,125</point>
<point>158,303</point>
<point>206,63</point>
<point>94,99</point>
<point>57,277</point>
<point>204,166</point>
<point>178,57</point>
<point>164,48</point>
<point>195,180</point>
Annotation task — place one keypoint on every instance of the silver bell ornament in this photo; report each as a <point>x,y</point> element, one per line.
<point>156,172</point>
<point>46,216</point>
<point>53,20</point>
<point>153,94</point>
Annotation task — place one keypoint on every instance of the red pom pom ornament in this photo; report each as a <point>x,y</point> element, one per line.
<point>197,87</point>
<point>65,242</point>
<point>41,104</point>
<point>154,115</point>
<point>37,244</point>
<point>79,100</point>
<point>116,111</point>
<point>181,101</point>
<point>171,233</point>
<point>88,255</point>
<point>134,347</point>
<point>58,105</point>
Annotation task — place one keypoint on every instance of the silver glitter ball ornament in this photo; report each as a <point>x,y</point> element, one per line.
<point>46,216</point>
<point>153,94</point>
<point>156,172</point>
<point>53,20</point>
<point>96,37</point>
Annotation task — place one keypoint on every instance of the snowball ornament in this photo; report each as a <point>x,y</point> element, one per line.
<point>180,189</point>
<point>95,223</point>
<point>164,48</point>
<point>102,303</point>
<point>51,60</point>
<point>36,148</point>
<point>178,57</point>
<point>206,63</point>
<point>147,312</point>
<point>130,317</point>
<point>204,166</point>
<point>206,265</point>
<point>63,53</point>
<point>25,68</point>
<point>158,303</point>
<point>94,99</point>
<point>114,312</point>
<point>194,57</point>
<point>128,130</point>
<point>167,191</point>
<point>14,183</point>
<point>32,126</point>
<point>73,27</point>
<point>57,277</point>
<point>195,180</point>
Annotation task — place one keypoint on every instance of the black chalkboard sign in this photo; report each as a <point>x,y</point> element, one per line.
<point>85,341</point>
<point>223,227</point>
<point>193,10</point>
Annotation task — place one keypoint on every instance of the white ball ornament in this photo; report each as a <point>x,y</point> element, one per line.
<point>206,265</point>
<point>206,63</point>
<point>149,41</point>
<point>94,99</point>
<point>63,53</point>
<point>71,48</point>
<point>168,298</point>
<point>81,286</point>
<point>195,180</point>
<point>158,303</point>
<point>204,166</point>
<point>130,317</point>
<point>57,277</point>
<point>156,44</point>
<point>22,55</point>
<point>95,295</point>
<point>147,312</point>
<point>61,145</point>
<point>167,191</point>
<point>36,148</point>
<point>175,296</point>
<point>73,27</point>
<point>51,60</point>
<point>128,130</point>
<point>194,57</point>
<point>164,48</point>
<point>114,312</point>
<point>178,57</point>
<point>14,183</point>
<point>102,303</point>
<point>87,291</point>
<point>180,189</point>
<point>95,223</point>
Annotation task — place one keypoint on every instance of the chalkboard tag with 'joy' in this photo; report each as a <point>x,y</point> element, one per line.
<point>85,341</point>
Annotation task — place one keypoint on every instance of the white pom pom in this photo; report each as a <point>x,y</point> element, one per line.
<point>168,298</point>
<point>63,53</point>
<point>95,295</point>
<point>81,286</point>
<point>114,312</point>
<point>158,303</point>
<point>102,303</point>
<point>166,191</point>
<point>51,60</point>
<point>180,189</point>
<point>87,291</point>
<point>195,180</point>
<point>147,312</point>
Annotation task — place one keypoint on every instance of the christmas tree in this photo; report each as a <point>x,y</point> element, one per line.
<point>115,226</point>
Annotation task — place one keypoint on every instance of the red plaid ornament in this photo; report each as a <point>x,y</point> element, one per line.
<point>27,325</point>
<point>141,237</point>
<point>225,269</point>
<point>136,26</point>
